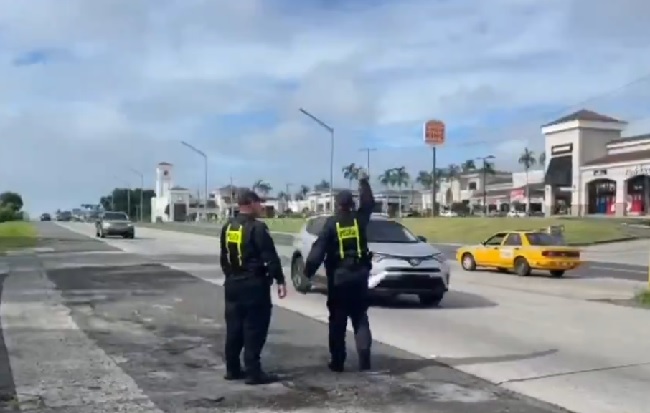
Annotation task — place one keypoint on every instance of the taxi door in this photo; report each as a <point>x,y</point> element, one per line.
<point>487,254</point>
<point>509,249</point>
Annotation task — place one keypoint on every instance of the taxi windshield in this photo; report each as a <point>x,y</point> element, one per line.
<point>544,239</point>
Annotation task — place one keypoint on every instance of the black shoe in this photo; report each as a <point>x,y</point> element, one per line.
<point>364,361</point>
<point>336,367</point>
<point>235,375</point>
<point>261,378</point>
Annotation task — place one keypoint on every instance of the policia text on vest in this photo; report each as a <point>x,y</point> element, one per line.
<point>250,262</point>
<point>342,245</point>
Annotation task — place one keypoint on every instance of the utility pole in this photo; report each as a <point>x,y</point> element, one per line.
<point>288,186</point>
<point>485,160</point>
<point>367,150</point>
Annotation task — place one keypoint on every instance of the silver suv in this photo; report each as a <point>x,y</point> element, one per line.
<point>402,263</point>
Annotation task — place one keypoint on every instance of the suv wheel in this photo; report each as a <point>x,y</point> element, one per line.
<point>299,281</point>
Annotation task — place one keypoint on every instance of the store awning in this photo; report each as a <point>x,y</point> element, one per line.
<point>560,171</point>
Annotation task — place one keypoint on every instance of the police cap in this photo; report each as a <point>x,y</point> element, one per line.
<point>345,199</point>
<point>247,197</point>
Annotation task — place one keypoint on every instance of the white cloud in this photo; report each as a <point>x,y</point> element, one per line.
<point>133,77</point>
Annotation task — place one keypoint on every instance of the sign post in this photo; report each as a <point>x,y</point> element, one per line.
<point>434,135</point>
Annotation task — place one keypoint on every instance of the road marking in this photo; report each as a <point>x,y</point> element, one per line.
<point>614,269</point>
<point>54,363</point>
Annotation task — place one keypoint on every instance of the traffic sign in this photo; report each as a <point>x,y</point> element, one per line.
<point>434,132</point>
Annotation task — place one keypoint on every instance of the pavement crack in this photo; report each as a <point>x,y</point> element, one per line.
<point>571,373</point>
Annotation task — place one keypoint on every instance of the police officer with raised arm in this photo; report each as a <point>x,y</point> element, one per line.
<point>342,245</point>
<point>250,263</point>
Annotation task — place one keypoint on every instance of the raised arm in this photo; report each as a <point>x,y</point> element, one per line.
<point>366,200</point>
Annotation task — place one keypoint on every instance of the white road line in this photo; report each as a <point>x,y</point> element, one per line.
<point>616,269</point>
<point>54,363</point>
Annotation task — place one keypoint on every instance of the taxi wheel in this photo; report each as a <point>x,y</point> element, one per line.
<point>557,273</point>
<point>299,281</point>
<point>468,262</point>
<point>522,268</point>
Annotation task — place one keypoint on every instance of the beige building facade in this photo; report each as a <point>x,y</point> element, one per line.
<point>591,169</point>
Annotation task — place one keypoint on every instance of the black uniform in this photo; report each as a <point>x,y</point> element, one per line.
<point>250,262</point>
<point>342,244</point>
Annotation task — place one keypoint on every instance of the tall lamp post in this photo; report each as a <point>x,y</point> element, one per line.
<point>141,175</point>
<point>205,177</point>
<point>331,131</point>
<point>485,160</point>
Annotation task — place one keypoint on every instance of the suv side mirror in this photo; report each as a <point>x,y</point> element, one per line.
<point>422,238</point>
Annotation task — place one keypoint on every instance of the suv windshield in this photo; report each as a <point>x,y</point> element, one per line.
<point>544,239</point>
<point>380,231</point>
<point>115,216</point>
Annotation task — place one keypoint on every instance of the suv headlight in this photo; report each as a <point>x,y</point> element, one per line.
<point>438,257</point>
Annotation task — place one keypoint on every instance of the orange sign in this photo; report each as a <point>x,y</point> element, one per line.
<point>434,132</point>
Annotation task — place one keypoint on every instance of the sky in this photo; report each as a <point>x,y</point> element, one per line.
<point>95,93</point>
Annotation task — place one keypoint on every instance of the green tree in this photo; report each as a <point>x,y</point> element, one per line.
<point>527,159</point>
<point>118,200</point>
<point>425,179</point>
<point>11,200</point>
<point>262,187</point>
<point>351,173</point>
<point>468,166</point>
<point>322,186</point>
<point>542,158</point>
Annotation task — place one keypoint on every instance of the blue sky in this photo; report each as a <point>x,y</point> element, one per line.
<point>119,83</point>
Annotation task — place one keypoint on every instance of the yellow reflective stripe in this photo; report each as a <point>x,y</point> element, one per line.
<point>344,233</point>
<point>235,237</point>
<point>227,247</point>
<point>356,227</point>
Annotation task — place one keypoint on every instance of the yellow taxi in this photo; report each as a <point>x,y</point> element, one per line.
<point>521,252</point>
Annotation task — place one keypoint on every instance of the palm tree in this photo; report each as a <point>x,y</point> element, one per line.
<point>453,171</point>
<point>425,179</point>
<point>488,168</point>
<point>542,158</point>
<point>262,187</point>
<point>468,166</point>
<point>284,196</point>
<point>401,178</point>
<point>351,173</point>
<point>527,159</point>
<point>301,195</point>
<point>323,185</point>
<point>387,179</point>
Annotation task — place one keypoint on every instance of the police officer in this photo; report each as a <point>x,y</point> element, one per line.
<point>342,245</point>
<point>250,263</point>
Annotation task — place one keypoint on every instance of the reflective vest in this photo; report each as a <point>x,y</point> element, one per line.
<point>234,241</point>
<point>349,241</point>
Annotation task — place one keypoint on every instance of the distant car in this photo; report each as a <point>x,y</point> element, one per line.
<point>114,224</point>
<point>517,214</point>
<point>448,214</point>
<point>521,252</point>
<point>46,217</point>
<point>402,263</point>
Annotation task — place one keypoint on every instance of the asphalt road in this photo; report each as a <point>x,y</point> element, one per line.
<point>88,328</point>
<point>587,270</point>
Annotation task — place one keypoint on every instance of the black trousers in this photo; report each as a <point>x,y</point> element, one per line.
<point>343,302</point>
<point>248,316</point>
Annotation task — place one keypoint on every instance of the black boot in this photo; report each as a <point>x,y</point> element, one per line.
<point>260,377</point>
<point>336,366</point>
<point>364,360</point>
<point>234,375</point>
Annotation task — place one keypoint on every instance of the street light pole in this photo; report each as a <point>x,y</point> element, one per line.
<point>367,150</point>
<point>331,131</point>
<point>485,162</point>
<point>205,160</point>
<point>141,175</point>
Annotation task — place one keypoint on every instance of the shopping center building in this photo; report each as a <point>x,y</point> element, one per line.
<point>592,169</point>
